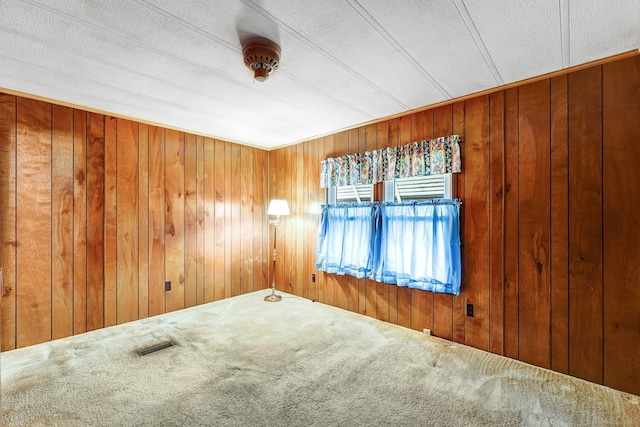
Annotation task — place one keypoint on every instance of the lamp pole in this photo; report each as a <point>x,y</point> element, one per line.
<point>274,297</point>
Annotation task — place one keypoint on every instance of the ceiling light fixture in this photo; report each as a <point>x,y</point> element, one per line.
<point>262,56</point>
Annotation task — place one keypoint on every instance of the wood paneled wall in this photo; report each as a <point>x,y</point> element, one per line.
<point>96,213</point>
<point>551,237</point>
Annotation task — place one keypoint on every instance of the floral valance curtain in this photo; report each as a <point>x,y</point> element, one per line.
<point>428,157</point>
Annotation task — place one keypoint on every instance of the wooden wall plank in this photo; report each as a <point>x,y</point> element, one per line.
<point>200,221</point>
<point>422,302</point>
<point>95,220</point>
<point>363,284</point>
<point>213,259</point>
<point>341,290</point>
<point>110,224</point>
<point>266,191</point>
<point>297,209</point>
<point>259,219</point>
<point>156,220</point>
<point>459,306</point>
<point>143,221</point>
<point>371,287</point>
<point>234,198</point>
<point>306,215</point>
<point>511,230</point>
<point>407,310</point>
<point>621,108</point>
<point>443,303</point>
<point>219,249</point>
<point>228,222</point>
<point>559,226</point>
<point>80,221</point>
<point>174,219</point>
<point>190,221</point>
<point>354,283</point>
<point>495,320</point>
<point>127,221</point>
<point>246,220</point>
<point>327,295</point>
<point>62,222</point>
<point>585,224</point>
<point>534,188</point>
<point>33,222</point>
<point>385,132</point>
<point>276,192</point>
<point>8,130</point>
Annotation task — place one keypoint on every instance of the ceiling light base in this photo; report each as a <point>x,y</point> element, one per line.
<point>262,56</point>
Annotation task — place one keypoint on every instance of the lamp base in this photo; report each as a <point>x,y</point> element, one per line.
<point>273,298</point>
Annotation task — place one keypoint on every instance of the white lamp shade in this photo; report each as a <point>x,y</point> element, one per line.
<point>278,207</point>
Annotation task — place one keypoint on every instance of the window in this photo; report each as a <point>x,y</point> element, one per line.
<point>350,193</point>
<point>419,188</point>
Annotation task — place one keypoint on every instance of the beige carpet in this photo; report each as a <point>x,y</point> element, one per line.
<point>245,362</point>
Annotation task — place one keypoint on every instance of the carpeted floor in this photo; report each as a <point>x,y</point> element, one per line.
<point>245,362</point>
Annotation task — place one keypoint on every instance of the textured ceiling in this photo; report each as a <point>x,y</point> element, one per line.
<point>344,62</point>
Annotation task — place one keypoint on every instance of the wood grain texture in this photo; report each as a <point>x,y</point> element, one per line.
<point>190,221</point>
<point>174,219</point>
<point>228,224</point>
<point>341,148</point>
<point>110,222</point>
<point>371,287</point>
<point>246,220</point>
<point>234,198</point>
<point>101,186</point>
<point>95,220</point>
<point>621,107</point>
<point>459,306</point>
<point>316,198</point>
<point>511,226</point>
<point>33,222</point>
<point>534,223</point>
<point>442,303</point>
<point>495,320</point>
<point>385,132</point>
<point>80,221</point>
<point>143,221</point>
<point>585,225</point>
<point>220,251</point>
<point>259,219</point>
<point>213,262</point>
<point>200,222</point>
<point>8,242</point>
<point>559,226</point>
<point>424,301</point>
<point>362,284</point>
<point>62,218</point>
<point>547,192</point>
<point>297,194</point>
<point>156,220</point>
<point>127,222</point>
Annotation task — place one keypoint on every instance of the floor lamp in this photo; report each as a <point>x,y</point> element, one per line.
<point>277,208</point>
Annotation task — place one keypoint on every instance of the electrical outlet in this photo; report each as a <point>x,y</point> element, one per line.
<point>470,310</point>
<point>167,285</point>
<point>313,277</point>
